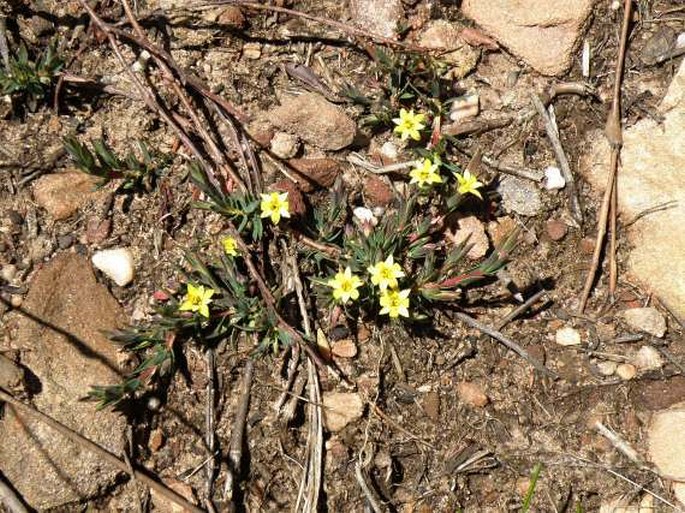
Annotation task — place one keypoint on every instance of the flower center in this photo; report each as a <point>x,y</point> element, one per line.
<point>386,273</point>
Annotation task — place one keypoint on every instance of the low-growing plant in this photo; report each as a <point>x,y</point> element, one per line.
<point>396,266</point>
<point>136,170</point>
<point>29,81</point>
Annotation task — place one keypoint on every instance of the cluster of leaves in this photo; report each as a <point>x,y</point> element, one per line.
<point>406,77</point>
<point>29,81</point>
<point>137,170</point>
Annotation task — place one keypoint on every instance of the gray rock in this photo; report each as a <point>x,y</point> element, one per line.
<point>648,320</point>
<point>652,163</point>
<point>47,469</point>
<point>520,196</point>
<point>315,120</point>
<point>544,34</point>
<point>380,17</point>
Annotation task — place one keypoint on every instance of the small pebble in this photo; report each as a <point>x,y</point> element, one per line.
<point>648,359</point>
<point>646,319</point>
<point>680,41</point>
<point>363,333</point>
<point>626,371</point>
<point>154,403</point>
<point>553,179</point>
<point>607,368</point>
<point>587,245</point>
<point>341,408</point>
<point>285,145</point>
<point>556,229</point>
<point>464,107</point>
<point>520,196</point>
<point>8,272</point>
<point>252,51</point>
<point>567,336</point>
<point>472,394</point>
<point>156,440</point>
<point>16,300</point>
<point>116,264</point>
<point>389,152</point>
<point>65,241</point>
<point>345,348</point>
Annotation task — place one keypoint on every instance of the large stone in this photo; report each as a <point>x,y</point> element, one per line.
<point>443,35</point>
<point>651,173</point>
<point>380,17</point>
<point>316,172</point>
<point>63,345</point>
<point>544,34</point>
<point>62,194</point>
<point>316,120</point>
<point>667,443</point>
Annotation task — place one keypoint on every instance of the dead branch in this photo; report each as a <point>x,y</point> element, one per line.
<point>614,134</point>
<point>343,27</point>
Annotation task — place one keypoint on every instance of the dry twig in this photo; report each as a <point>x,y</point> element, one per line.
<point>520,309</point>
<point>553,134</point>
<point>310,486</point>
<point>614,134</point>
<point>10,499</point>
<point>235,451</point>
<point>537,364</point>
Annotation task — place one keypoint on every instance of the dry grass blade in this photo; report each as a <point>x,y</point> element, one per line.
<point>310,486</point>
<point>553,135</point>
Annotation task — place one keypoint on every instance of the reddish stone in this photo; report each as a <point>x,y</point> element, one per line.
<point>556,229</point>
<point>377,192</point>
<point>320,172</point>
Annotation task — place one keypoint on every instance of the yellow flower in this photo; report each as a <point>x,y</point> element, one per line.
<point>469,183</point>
<point>230,246</point>
<point>426,173</point>
<point>197,299</point>
<point>409,124</point>
<point>275,206</point>
<point>385,274</point>
<point>345,285</point>
<point>395,303</point>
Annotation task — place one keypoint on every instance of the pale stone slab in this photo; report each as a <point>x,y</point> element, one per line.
<point>652,173</point>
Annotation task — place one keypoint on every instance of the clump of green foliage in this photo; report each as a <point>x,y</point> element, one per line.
<point>28,81</point>
<point>398,266</point>
<point>137,170</point>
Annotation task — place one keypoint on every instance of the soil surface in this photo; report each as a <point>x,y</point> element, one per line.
<point>440,419</point>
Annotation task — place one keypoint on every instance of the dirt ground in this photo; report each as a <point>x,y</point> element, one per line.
<point>452,420</point>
